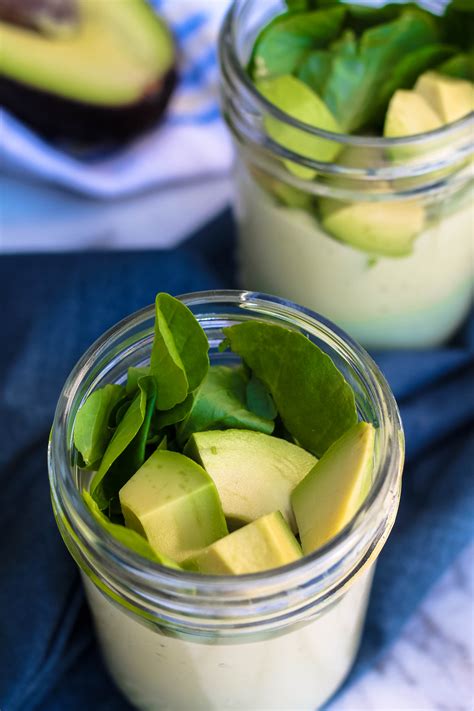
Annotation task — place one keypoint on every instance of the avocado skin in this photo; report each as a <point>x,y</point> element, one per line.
<point>56,117</point>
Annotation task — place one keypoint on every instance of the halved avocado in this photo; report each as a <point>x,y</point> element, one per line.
<point>108,77</point>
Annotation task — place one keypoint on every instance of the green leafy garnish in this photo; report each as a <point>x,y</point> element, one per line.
<point>314,401</point>
<point>221,403</point>
<point>314,70</point>
<point>458,24</point>
<point>126,450</point>
<point>461,66</point>
<point>287,40</point>
<point>129,538</point>
<point>133,376</point>
<point>118,411</point>
<point>179,358</point>
<point>91,430</point>
<point>259,399</point>
<point>176,414</point>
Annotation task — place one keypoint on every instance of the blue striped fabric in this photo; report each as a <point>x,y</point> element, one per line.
<point>195,25</point>
<point>190,142</point>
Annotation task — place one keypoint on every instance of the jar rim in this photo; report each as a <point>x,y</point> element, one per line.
<point>155,580</point>
<point>421,150</point>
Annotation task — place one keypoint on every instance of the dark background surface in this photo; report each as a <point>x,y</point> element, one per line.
<point>54,307</point>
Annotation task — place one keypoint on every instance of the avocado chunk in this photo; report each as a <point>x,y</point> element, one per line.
<point>261,545</point>
<point>449,97</point>
<point>330,495</point>
<point>409,113</point>
<point>380,228</point>
<point>296,99</point>
<point>127,537</point>
<point>254,473</point>
<point>109,79</point>
<point>173,502</point>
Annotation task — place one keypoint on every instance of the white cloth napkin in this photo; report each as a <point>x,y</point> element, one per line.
<point>192,141</point>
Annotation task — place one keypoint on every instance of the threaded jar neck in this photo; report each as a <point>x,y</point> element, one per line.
<point>226,605</point>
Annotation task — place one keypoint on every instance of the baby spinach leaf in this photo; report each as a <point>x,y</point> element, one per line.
<point>179,357</point>
<point>221,403</point>
<point>298,5</point>
<point>461,67</point>
<point>259,399</point>
<point>285,42</point>
<point>91,432</point>
<point>358,17</point>
<point>314,401</point>
<point>314,70</point>
<point>176,414</point>
<point>118,412</point>
<point>224,345</point>
<point>458,23</point>
<point>133,376</point>
<point>126,536</point>
<point>126,450</point>
<point>362,17</point>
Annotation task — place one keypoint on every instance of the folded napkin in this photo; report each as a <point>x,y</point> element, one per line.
<point>57,305</point>
<point>190,142</point>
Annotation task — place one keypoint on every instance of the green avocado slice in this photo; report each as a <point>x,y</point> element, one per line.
<point>379,228</point>
<point>254,472</point>
<point>173,503</point>
<point>261,545</point>
<point>121,56</point>
<point>450,97</point>
<point>295,98</point>
<point>330,495</point>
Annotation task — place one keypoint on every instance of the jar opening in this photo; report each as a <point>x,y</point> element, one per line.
<point>227,601</point>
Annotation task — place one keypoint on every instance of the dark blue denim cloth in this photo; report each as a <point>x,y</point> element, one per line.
<point>53,307</point>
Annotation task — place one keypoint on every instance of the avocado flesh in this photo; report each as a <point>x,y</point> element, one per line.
<point>261,545</point>
<point>129,538</point>
<point>330,495</point>
<point>451,98</point>
<point>409,114</point>
<point>173,502</point>
<point>295,98</point>
<point>380,228</point>
<point>119,62</point>
<point>254,473</point>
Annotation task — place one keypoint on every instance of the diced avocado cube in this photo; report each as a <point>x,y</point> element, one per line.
<point>127,537</point>
<point>295,98</point>
<point>449,97</point>
<point>408,114</point>
<point>261,545</point>
<point>330,495</point>
<point>381,228</point>
<point>174,503</point>
<point>254,473</point>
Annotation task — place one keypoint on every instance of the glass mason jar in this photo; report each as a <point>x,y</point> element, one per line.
<point>284,638</point>
<point>381,241</point>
